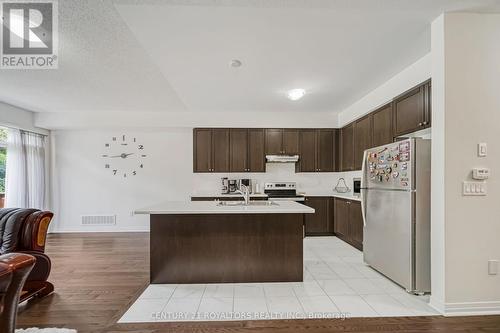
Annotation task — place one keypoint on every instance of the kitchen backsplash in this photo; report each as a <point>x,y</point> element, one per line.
<point>310,183</point>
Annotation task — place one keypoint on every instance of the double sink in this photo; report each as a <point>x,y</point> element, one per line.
<point>251,203</point>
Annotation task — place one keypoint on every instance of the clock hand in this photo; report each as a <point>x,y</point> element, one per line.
<point>123,155</point>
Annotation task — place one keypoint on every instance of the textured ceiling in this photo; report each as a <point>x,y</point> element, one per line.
<point>165,56</point>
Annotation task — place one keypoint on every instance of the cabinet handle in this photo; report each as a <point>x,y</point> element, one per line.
<point>420,124</point>
<point>425,122</point>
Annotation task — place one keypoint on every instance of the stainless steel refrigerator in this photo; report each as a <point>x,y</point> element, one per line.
<point>395,193</point>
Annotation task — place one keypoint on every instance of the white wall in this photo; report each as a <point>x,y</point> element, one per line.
<point>12,116</point>
<point>437,167</point>
<point>467,105</point>
<point>83,186</point>
<point>411,76</point>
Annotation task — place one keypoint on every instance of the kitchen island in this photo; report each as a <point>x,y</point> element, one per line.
<point>212,242</point>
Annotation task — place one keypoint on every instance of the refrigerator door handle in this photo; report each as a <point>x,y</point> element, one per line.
<point>363,186</point>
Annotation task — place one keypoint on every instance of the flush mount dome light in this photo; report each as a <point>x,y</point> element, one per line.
<point>235,63</point>
<point>296,94</point>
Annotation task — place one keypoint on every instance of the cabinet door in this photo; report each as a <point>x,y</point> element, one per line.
<point>427,104</point>
<point>362,139</point>
<point>239,150</point>
<point>409,112</point>
<point>307,149</point>
<point>290,141</point>
<point>256,154</point>
<point>321,222</point>
<point>220,148</point>
<point>326,150</point>
<point>274,141</point>
<point>202,150</point>
<point>341,226</point>
<point>382,126</point>
<point>347,148</point>
<point>356,225</point>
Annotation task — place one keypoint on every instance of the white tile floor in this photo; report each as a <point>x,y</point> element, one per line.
<point>336,284</point>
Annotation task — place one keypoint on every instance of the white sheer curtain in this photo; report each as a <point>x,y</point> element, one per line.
<point>25,170</point>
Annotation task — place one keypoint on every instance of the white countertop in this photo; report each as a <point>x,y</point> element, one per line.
<point>211,207</point>
<point>348,195</point>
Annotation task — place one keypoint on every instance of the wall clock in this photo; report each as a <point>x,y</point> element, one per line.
<point>124,157</point>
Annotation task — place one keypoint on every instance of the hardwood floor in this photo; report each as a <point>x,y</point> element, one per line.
<point>98,276</point>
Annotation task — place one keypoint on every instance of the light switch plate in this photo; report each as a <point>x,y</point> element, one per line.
<point>492,267</point>
<point>482,149</point>
<point>474,188</point>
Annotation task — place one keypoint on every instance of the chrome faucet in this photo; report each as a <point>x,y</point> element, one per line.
<point>245,192</point>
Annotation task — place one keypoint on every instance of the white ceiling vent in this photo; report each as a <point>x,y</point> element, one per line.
<point>98,219</point>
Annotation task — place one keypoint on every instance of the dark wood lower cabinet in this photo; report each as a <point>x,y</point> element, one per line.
<point>321,222</point>
<point>349,222</point>
<point>341,218</point>
<point>356,225</point>
<point>226,248</point>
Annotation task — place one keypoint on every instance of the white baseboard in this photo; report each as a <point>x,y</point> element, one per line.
<point>95,231</point>
<point>436,304</point>
<point>472,309</point>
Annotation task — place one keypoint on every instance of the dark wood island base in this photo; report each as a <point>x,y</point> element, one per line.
<point>226,248</point>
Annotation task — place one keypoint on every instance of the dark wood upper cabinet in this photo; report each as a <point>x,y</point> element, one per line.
<point>427,104</point>
<point>347,148</point>
<point>256,154</point>
<point>290,141</point>
<point>321,222</point>
<point>274,141</point>
<point>356,224</point>
<point>211,150</point>
<point>382,126</point>
<point>412,110</point>
<point>317,150</point>
<point>326,150</point>
<point>363,131</point>
<point>239,150</point>
<point>202,152</point>
<point>247,150</point>
<point>307,149</point>
<point>220,148</point>
<point>282,141</point>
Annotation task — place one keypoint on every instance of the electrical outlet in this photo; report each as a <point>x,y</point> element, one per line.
<point>474,188</point>
<point>492,267</point>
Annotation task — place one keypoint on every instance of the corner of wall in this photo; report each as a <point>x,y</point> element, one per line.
<point>409,77</point>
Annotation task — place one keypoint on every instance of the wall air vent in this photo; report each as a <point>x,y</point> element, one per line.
<point>98,219</point>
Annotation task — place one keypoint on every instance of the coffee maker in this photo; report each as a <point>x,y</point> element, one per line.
<point>233,185</point>
<point>224,189</point>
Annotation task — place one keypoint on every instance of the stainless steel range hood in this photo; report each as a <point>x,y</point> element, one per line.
<point>282,158</point>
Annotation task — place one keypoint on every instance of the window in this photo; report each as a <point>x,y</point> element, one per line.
<point>3,156</point>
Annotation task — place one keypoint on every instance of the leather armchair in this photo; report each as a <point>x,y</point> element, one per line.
<point>14,270</point>
<point>25,231</point>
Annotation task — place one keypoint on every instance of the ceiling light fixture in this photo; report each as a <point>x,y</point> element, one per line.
<point>235,63</point>
<point>296,94</point>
